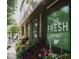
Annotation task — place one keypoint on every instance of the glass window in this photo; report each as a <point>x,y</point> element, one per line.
<point>35,32</point>
<point>58,29</point>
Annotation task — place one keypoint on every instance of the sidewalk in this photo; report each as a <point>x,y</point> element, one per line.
<point>11,52</point>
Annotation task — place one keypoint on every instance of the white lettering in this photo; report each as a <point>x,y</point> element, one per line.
<point>65,26</point>
<point>58,27</point>
<point>55,27</point>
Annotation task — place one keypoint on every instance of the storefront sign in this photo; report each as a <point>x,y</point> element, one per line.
<point>58,27</point>
<point>58,32</point>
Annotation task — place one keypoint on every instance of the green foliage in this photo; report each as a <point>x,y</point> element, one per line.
<point>13,29</point>
<point>28,1</point>
<point>19,45</point>
<point>20,49</point>
<point>20,53</point>
<point>62,16</point>
<point>10,11</point>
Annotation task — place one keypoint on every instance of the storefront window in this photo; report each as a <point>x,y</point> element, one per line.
<point>35,32</point>
<point>58,31</point>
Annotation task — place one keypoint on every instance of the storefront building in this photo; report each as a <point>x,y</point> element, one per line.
<point>47,23</point>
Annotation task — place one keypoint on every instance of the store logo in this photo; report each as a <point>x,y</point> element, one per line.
<point>56,41</point>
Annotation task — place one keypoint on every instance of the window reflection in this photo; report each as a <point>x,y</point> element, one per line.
<point>35,32</point>
<point>58,33</point>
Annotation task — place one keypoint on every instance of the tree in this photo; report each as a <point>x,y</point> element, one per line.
<point>11,6</point>
<point>13,29</point>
